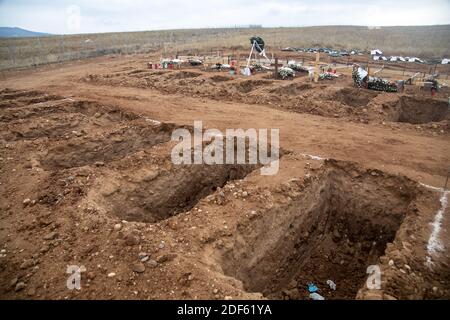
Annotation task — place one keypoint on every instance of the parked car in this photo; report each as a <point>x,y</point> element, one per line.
<point>334,54</point>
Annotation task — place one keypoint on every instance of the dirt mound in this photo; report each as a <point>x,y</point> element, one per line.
<point>291,89</point>
<point>137,71</point>
<point>247,86</point>
<point>14,99</point>
<point>219,78</point>
<point>420,110</point>
<point>14,94</point>
<point>339,227</point>
<point>59,119</point>
<point>182,75</point>
<point>355,97</point>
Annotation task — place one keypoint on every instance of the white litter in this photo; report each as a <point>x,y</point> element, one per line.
<point>312,157</point>
<point>331,284</point>
<point>316,296</point>
<point>153,122</point>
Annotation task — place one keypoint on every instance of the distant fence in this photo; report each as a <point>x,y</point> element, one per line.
<point>15,53</point>
<point>27,52</point>
<point>431,41</point>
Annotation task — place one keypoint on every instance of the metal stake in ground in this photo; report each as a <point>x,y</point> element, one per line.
<point>446,180</point>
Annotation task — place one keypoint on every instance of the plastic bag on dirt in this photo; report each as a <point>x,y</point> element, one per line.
<point>316,296</point>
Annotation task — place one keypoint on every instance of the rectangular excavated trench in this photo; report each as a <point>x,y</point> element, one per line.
<point>106,147</point>
<point>82,132</point>
<point>59,121</point>
<point>338,227</point>
<point>420,110</point>
<point>154,195</point>
<point>151,193</point>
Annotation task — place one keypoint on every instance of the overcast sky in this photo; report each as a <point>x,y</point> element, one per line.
<point>88,16</point>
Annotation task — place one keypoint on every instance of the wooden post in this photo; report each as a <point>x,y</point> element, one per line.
<point>316,67</point>
<point>276,68</point>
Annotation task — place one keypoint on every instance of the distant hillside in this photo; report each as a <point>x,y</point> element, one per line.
<point>7,32</point>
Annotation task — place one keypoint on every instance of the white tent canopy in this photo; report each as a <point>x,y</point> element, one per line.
<point>376,52</point>
<point>414,59</point>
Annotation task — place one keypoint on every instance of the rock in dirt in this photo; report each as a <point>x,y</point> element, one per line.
<point>138,267</point>
<point>27,264</point>
<point>90,275</point>
<point>220,198</point>
<point>292,294</point>
<point>117,227</point>
<point>336,235</point>
<point>373,295</point>
<point>165,258</point>
<point>13,282</point>
<point>152,263</point>
<point>31,292</point>
<point>51,236</point>
<point>20,286</point>
<point>132,240</point>
<point>143,256</point>
<point>388,297</point>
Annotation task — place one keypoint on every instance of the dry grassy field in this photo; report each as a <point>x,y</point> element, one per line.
<point>424,41</point>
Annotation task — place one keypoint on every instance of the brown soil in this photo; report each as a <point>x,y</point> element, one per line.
<point>355,97</point>
<point>86,179</point>
<point>355,104</point>
<point>105,147</point>
<point>219,78</point>
<point>338,226</point>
